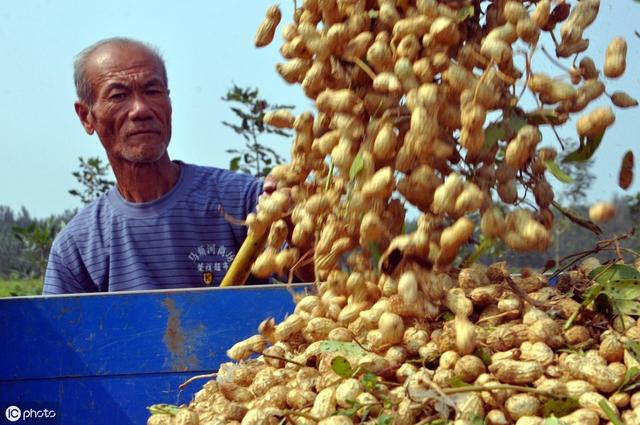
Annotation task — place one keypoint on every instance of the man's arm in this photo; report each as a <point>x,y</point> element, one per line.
<point>58,279</point>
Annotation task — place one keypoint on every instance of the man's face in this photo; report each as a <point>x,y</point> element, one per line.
<point>131,109</point>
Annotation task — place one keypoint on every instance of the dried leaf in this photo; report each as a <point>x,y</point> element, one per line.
<point>558,14</point>
<point>626,171</point>
<point>587,224</point>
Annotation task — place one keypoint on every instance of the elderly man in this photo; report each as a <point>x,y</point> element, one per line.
<point>163,224</point>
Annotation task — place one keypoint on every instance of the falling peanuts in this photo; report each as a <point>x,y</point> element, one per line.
<point>444,30</point>
<point>387,82</point>
<point>582,15</point>
<point>540,15</point>
<point>379,55</point>
<point>343,100</point>
<point>380,185</point>
<point>267,28</point>
<point>595,123</point>
<point>602,211</point>
<point>357,47</point>
<point>623,100</point>
<point>453,237</point>
<point>295,70</point>
<point>615,58</point>
<point>492,223</point>
<point>281,118</point>
<point>420,104</point>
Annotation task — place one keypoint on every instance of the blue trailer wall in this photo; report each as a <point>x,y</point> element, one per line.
<point>101,359</point>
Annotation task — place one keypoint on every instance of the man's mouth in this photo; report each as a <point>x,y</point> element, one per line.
<point>142,132</point>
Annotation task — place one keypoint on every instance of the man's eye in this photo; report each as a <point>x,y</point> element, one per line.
<point>117,96</point>
<point>154,92</point>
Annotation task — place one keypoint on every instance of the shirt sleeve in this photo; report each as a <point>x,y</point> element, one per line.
<point>253,194</point>
<point>59,279</point>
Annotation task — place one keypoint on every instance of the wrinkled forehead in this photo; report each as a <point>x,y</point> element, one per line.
<point>115,62</point>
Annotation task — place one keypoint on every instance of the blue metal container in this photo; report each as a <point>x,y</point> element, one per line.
<point>102,358</point>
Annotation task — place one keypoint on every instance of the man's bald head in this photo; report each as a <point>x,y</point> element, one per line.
<point>83,85</point>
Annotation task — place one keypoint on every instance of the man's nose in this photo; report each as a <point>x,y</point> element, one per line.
<point>140,108</point>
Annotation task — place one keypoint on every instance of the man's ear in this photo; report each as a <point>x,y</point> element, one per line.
<point>83,111</point>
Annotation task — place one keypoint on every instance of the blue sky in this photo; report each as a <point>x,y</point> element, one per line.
<point>207,46</point>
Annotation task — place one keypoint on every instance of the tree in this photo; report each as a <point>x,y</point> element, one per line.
<point>92,176</point>
<point>37,238</point>
<point>249,108</point>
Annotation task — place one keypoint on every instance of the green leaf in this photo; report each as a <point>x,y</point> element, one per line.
<point>347,349</point>
<point>630,380</point>
<point>557,172</point>
<point>234,164</point>
<point>624,296</point>
<point>374,250</point>
<point>329,176</point>
<point>447,316</point>
<point>633,347</point>
<point>621,284</point>
<point>384,420</point>
<point>457,382</point>
<point>604,274</point>
<point>610,413</point>
<point>552,421</point>
<point>369,381</point>
<point>483,354</point>
<point>493,133</point>
<point>503,129</point>
<point>356,166</point>
<point>560,406</point>
<point>585,151</point>
<point>351,411</point>
<point>476,420</point>
<point>163,409</point>
<point>479,251</point>
<point>545,117</point>
<point>341,367</point>
<point>465,13</point>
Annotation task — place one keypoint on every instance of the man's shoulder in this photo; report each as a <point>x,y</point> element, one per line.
<point>222,178</point>
<point>85,221</point>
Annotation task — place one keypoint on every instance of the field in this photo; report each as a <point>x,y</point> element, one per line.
<point>15,287</point>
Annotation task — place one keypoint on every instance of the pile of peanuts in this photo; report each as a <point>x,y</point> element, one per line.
<point>404,91</point>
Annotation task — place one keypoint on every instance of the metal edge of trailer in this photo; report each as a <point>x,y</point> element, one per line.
<point>103,358</point>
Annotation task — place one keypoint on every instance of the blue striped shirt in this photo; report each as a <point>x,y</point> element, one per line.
<point>180,240</point>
